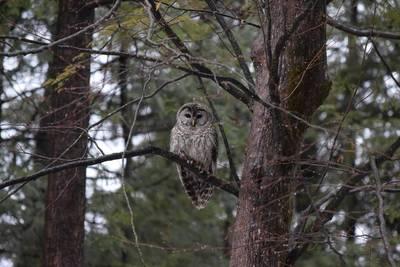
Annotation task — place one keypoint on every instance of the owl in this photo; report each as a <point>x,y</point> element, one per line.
<point>195,139</point>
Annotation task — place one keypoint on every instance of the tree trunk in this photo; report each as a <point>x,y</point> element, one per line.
<point>63,129</point>
<point>291,73</point>
<point>126,114</point>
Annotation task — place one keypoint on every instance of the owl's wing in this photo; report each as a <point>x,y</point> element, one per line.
<point>174,142</point>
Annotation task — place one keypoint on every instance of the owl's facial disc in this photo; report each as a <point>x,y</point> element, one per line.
<point>200,117</point>
<point>193,116</point>
<point>185,116</point>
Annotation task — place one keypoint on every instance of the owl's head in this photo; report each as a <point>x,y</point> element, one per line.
<point>194,115</point>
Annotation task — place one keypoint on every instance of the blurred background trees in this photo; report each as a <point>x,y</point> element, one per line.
<point>137,70</point>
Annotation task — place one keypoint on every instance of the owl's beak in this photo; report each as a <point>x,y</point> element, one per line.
<point>193,123</point>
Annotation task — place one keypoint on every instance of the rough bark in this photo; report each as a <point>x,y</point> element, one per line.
<point>291,73</point>
<point>63,130</point>
<point>1,87</point>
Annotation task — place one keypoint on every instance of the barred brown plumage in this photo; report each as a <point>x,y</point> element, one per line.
<point>195,139</point>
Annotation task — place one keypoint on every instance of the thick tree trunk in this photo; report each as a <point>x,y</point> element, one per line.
<point>63,130</point>
<point>291,74</point>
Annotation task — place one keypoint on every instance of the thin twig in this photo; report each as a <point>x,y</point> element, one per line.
<point>122,83</point>
<point>388,68</point>
<point>382,224</point>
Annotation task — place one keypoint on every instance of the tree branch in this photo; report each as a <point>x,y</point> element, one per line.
<point>242,21</point>
<point>326,215</point>
<point>234,44</point>
<point>388,69</point>
<point>230,85</point>
<point>151,150</point>
<point>361,32</point>
<point>197,66</point>
<point>62,40</point>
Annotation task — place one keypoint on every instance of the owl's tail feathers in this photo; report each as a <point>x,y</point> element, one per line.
<point>203,197</point>
<point>198,190</point>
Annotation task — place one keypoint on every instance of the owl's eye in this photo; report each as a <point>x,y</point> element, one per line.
<point>199,116</point>
<point>187,115</point>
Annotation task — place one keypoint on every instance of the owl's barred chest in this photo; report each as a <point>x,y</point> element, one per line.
<point>197,146</point>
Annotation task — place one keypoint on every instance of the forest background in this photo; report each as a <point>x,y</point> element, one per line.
<point>144,60</point>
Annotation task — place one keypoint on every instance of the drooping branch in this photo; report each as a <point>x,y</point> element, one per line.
<point>151,151</point>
